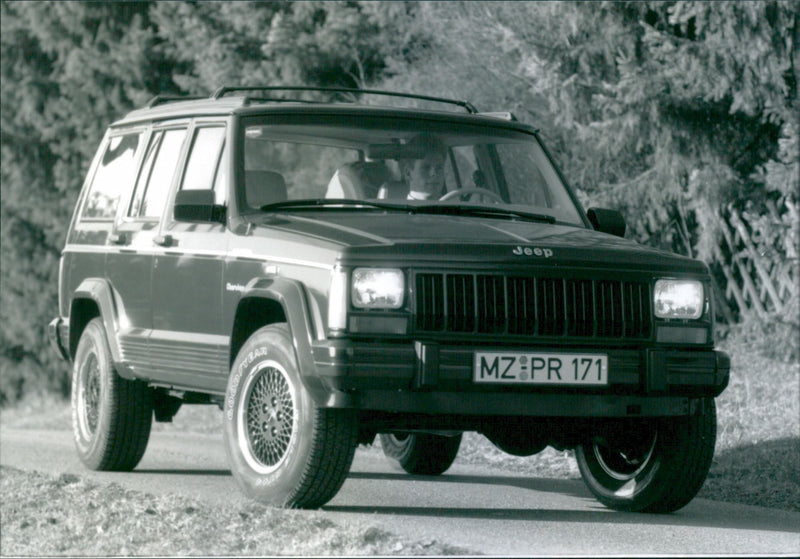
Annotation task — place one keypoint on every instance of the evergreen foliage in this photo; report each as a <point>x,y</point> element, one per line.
<point>67,70</point>
<point>665,110</point>
<point>344,44</point>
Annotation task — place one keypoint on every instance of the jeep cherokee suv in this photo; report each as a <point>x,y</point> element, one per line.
<point>273,256</point>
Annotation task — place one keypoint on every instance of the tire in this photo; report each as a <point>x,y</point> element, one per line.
<point>111,416</point>
<point>654,467</point>
<point>421,453</point>
<point>283,449</point>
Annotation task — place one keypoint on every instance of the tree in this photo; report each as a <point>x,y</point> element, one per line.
<point>305,43</point>
<point>68,69</point>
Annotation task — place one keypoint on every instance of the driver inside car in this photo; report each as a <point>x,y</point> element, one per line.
<point>425,176</point>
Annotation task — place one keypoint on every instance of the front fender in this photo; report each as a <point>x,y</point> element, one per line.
<point>305,325</point>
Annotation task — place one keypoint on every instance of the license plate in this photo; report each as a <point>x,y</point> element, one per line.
<point>584,369</point>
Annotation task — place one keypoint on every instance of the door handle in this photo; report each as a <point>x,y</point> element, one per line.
<point>164,240</point>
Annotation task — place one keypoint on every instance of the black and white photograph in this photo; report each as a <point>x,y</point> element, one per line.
<point>400,278</point>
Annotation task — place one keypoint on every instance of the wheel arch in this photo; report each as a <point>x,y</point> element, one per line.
<point>268,301</point>
<point>94,298</point>
<point>254,311</point>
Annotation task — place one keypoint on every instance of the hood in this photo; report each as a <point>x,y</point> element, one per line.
<point>374,237</point>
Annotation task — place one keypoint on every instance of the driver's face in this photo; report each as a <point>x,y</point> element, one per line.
<point>427,175</point>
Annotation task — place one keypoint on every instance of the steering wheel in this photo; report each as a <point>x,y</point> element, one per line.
<point>472,192</point>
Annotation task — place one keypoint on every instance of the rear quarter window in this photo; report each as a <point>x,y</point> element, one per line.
<point>113,178</point>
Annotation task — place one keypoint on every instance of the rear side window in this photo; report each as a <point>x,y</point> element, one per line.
<point>158,170</point>
<point>114,177</point>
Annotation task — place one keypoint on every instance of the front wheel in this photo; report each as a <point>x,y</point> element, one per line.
<point>283,449</point>
<point>650,466</point>
<point>111,416</point>
<point>421,453</point>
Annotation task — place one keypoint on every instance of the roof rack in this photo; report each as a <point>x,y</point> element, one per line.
<point>159,99</point>
<point>470,108</point>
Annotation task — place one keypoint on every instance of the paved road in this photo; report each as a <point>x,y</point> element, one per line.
<point>486,511</point>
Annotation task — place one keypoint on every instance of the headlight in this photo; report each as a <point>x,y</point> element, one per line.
<point>679,299</point>
<point>377,288</point>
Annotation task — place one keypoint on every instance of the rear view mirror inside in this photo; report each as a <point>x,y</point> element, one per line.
<point>395,151</point>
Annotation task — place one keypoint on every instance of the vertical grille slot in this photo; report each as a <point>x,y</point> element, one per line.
<point>491,304</point>
<point>580,308</point>
<point>637,311</point>
<point>609,309</point>
<point>551,307</point>
<point>521,306</point>
<point>461,303</point>
<point>430,302</point>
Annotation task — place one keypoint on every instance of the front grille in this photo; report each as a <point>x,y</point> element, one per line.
<point>532,306</point>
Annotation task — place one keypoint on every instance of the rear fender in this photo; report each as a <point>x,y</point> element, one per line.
<point>99,292</point>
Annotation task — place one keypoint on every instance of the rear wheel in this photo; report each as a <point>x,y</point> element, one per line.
<point>653,466</point>
<point>284,450</point>
<point>421,453</point>
<point>111,416</point>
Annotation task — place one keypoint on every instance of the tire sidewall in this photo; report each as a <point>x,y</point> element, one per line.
<point>634,493</point>
<point>93,343</point>
<point>266,347</point>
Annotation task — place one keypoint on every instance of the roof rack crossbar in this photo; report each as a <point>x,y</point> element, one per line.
<point>463,104</point>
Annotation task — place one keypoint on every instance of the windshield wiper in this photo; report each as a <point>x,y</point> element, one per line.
<point>445,209</point>
<point>484,211</point>
<point>311,203</point>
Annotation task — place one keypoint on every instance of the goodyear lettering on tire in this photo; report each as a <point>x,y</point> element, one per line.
<point>237,377</point>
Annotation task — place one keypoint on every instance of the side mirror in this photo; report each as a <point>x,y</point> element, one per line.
<point>607,221</point>
<point>197,206</point>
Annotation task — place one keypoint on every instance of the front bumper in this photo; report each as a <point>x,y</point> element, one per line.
<point>423,377</point>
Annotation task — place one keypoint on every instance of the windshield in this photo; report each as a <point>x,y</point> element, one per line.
<point>401,161</point>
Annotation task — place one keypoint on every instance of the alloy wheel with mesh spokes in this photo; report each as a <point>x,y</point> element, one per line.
<point>88,387</point>
<point>268,425</point>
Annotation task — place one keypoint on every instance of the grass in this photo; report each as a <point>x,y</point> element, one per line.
<point>67,515</point>
<point>757,462</point>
